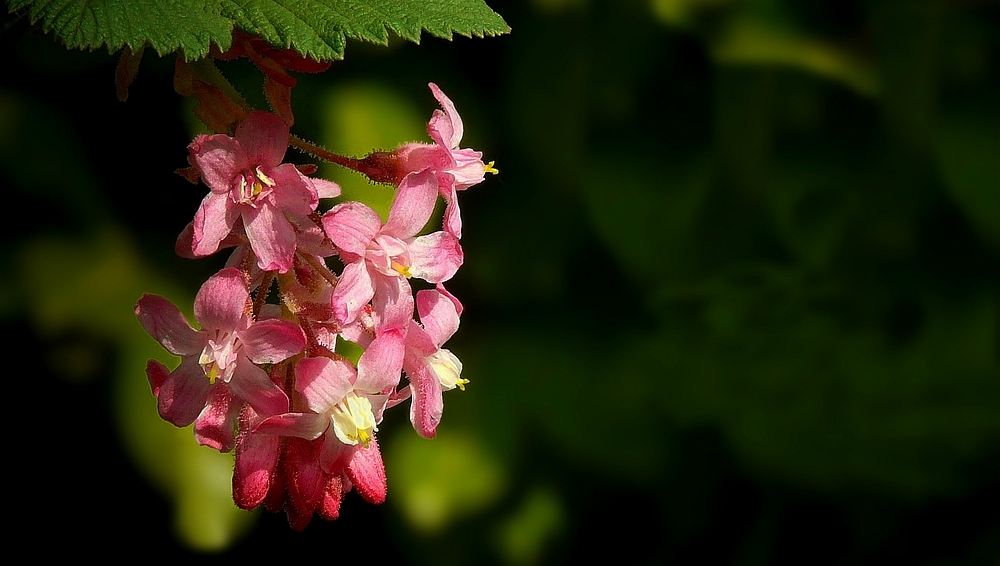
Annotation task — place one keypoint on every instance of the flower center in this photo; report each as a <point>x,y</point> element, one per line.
<point>219,357</point>
<point>252,188</point>
<point>353,420</point>
<point>448,369</point>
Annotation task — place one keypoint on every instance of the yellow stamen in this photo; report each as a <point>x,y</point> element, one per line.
<point>403,270</point>
<point>461,384</point>
<point>491,169</point>
<point>264,178</point>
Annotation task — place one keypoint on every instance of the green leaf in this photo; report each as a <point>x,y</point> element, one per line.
<point>189,25</point>
<point>315,28</point>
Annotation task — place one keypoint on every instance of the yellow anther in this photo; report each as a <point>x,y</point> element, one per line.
<point>264,178</point>
<point>461,384</point>
<point>491,169</point>
<point>401,269</point>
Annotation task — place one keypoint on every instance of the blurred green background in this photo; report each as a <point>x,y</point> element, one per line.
<point>732,299</point>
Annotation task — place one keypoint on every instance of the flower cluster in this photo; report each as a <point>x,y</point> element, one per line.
<point>265,377</point>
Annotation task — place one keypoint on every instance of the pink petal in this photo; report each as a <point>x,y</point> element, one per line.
<point>165,323</point>
<point>251,384</point>
<point>213,221</point>
<point>354,289</point>
<point>324,382</point>
<point>183,395</point>
<point>468,169</point>
<point>219,159</point>
<point>352,226</point>
<point>435,257</point>
<point>335,454</point>
<point>271,236</point>
<point>367,473</point>
<point>309,426</point>
<point>215,426</point>
<point>222,300</point>
<point>428,400</point>
<point>271,341</point>
<point>256,459</point>
<point>293,192</point>
<point>438,315</point>
<point>264,138</point>
<point>381,364</point>
<point>450,124</point>
<point>157,375</point>
<point>325,189</point>
<point>452,215</point>
<point>412,205</point>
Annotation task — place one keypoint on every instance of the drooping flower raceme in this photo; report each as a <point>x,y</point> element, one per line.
<point>263,374</point>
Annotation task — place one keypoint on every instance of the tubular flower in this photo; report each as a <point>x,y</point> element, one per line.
<point>374,253</point>
<point>218,371</point>
<point>432,369</point>
<point>250,184</point>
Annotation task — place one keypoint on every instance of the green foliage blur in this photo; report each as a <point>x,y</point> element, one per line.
<point>733,298</point>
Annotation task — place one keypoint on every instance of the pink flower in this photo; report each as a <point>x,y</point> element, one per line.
<point>374,254</point>
<point>456,169</point>
<point>249,183</point>
<point>217,373</point>
<point>344,408</point>
<point>431,368</point>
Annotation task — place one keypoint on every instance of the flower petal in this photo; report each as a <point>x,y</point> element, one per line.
<point>352,226</point>
<point>221,302</point>
<point>271,341</point>
<point>435,257</point>
<point>215,427</point>
<point>381,364</point>
<point>219,159</point>
<point>428,401</point>
<point>165,323</point>
<point>448,124</point>
<point>271,236</point>
<point>309,426</point>
<point>252,384</point>
<point>323,381</point>
<point>183,395</point>
<point>264,138</point>
<point>412,205</point>
<point>353,291</point>
<point>213,221</point>
<point>438,314</point>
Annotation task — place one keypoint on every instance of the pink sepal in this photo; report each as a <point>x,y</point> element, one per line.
<point>352,226</point>
<point>253,385</point>
<point>215,426</point>
<point>222,300</point>
<point>156,373</point>
<point>428,402</point>
<point>308,426</point>
<point>165,323</point>
<point>182,395</point>
<point>435,257</point>
<point>413,204</point>
<point>438,315</point>
<point>272,341</point>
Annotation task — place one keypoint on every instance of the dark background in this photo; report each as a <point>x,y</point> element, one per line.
<point>733,297</point>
